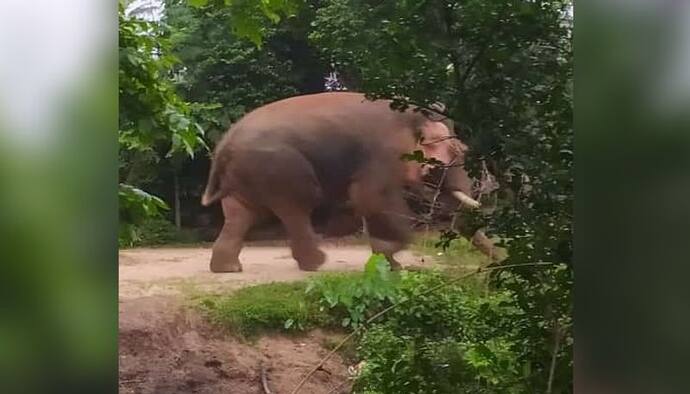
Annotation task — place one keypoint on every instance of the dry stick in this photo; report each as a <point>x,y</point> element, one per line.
<point>556,346</point>
<point>338,387</point>
<point>264,381</point>
<point>436,195</point>
<point>386,310</point>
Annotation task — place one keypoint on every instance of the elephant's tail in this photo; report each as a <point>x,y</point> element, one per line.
<point>214,188</point>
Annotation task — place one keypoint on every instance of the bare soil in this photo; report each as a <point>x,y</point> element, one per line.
<point>167,347</point>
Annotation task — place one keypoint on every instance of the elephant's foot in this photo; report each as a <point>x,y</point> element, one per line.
<point>480,241</point>
<point>395,264</point>
<point>218,265</point>
<point>388,249</point>
<point>309,260</point>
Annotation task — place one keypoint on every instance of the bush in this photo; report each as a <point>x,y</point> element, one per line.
<point>461,339</point>
<point>352,298</point>
<point>450,341</point>
<point>154,232</point>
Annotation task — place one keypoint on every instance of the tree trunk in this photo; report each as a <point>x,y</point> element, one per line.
<point>176,186</point>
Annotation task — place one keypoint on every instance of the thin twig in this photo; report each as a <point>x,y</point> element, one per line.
<point>554,356</point>
<point>440,139</point>
<point>390,308</point>
<point>437,193</point>
<point>338,387</point>
<point>132,380</point>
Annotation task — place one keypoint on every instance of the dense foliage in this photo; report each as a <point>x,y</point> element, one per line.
<point>220,68</point>
<point>452,341</point>
<point>504,69</point>
<point>154,122</point>
<point>449,335</point>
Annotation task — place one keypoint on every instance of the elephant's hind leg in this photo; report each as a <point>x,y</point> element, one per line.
<point>303,239</point>
<point>226,249</point>
<point>286,183</point>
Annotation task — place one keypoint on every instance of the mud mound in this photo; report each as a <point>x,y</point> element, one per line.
<point>168,348</point>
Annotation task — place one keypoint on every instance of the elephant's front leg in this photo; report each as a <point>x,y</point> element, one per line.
<point>476,236</point>
<point>388,249</point>
<point>480,241</point>
<point>389,230</point>
<point>303,240</point>
<point>226,249</point>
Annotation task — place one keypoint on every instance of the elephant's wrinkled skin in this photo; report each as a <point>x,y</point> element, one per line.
<point>328,151</point>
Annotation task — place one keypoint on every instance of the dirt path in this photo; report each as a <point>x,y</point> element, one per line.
<point>170,271</point>
<point>167,347</point>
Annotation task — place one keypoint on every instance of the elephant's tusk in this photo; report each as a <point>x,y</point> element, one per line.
<point>465,199</point>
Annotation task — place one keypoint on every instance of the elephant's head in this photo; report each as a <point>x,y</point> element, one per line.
<point>439,143</point>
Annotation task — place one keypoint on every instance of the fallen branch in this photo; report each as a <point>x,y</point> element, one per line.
<point>390,308</point>
<point>339,387</point>
<point>264,381</point>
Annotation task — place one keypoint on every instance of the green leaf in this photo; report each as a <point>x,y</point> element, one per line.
<point>198,3</point>
<point>372,266</point>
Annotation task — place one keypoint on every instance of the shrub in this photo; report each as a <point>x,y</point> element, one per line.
<point>450,341</point>
<point>352,298</point>
<point>154,232</point>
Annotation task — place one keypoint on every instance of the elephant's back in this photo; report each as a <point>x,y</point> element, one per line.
<point>321,113</point>
<point>336,132</point>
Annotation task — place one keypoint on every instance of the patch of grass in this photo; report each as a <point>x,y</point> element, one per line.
<point>327,300</point>
<point>270,307</point>
<point>460,253</point>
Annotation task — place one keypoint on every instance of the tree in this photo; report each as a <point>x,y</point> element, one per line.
<point>154,122</point>
<point>216,67</point>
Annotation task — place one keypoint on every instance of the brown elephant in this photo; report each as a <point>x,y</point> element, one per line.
<point>333,151</point>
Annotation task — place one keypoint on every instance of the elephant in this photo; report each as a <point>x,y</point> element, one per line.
<point>334,152</point>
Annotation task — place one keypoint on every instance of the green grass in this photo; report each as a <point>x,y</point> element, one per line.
<point>287,307</point>
<point>459,254</point>
<point>270,307</point>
